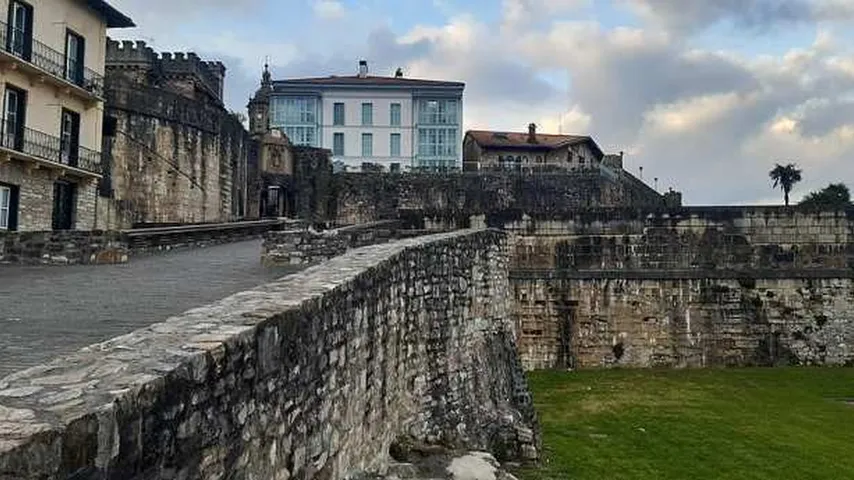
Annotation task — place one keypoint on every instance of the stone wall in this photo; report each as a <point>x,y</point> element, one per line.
<point>362,197</point>
<point>144,241</point>
<point>684,287</point>
<point>304,246</point>
<point>35,196</point>
<point>312,377</point>
<point>69,247</point>
<point>173,159</point>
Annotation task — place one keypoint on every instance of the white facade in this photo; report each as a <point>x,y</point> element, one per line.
<point>427,134</point>
<point>381,130</point>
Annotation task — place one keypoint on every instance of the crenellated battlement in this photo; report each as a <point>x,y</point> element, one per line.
<point>128,54</point>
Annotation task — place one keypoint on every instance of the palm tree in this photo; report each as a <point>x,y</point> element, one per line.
<point>785,178</point>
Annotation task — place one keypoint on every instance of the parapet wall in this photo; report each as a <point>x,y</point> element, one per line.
<point>305,246</point>
<point>311,377</point>
<point>139,56</point>
<point>700,286</point>
<point>366,197</point>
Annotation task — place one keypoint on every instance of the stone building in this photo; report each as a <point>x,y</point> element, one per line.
<point>173,154</point>
<point>52,75</point>
<point>491,151</point>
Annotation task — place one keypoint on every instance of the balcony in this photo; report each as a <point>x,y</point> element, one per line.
<point>46,151</point>
<point>38,60</point>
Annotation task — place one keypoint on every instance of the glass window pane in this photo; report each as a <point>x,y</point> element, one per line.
<point>395,145</point>
<point>367,114</point>
<point>367,145</point>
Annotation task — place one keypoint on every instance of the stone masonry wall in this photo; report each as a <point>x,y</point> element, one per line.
<point>307,247</point>
<point>684,287</point>
<point>35,208</point>
<point>362,197</point>
<point>311,377</point>
<point>62,248</point>
<point>174,160</point>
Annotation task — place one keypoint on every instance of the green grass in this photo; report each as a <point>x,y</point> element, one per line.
<point>695,424</point>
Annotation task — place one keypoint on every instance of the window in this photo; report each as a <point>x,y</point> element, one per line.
<point>367,145</point>
<point>69,138</point>
<point>367,114</point>
<point>437,142</point>
<point>293,111</point>
<point>19,34</point>
<point>302,135</point>
<point>394,115</point>
<point>75,49</point>
<point>338,114</point>
<point>338,144</point>
<point>14,112</point>
<point>437,112</point>
<point>394,148</point>
<point>8,207</point>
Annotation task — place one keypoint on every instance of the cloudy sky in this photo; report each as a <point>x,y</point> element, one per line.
<point>706,95</point>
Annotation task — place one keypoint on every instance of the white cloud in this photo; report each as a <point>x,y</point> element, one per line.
<point>329,9</point>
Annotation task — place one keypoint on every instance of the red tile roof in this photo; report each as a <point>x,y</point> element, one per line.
<point>369,80</point>
<point>486,138</point>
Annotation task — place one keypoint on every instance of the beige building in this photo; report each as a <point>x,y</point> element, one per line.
<point>532,151</point>
<point>52,77</point>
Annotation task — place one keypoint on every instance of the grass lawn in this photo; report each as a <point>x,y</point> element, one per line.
<point>782,423</point>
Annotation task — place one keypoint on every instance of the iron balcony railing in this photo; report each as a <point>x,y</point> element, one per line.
<point>47,147</point>
<point>15,41</point>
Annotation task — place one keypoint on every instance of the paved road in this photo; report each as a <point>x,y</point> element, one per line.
<point>49,311</point>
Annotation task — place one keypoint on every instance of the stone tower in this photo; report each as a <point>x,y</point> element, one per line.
<point>259,105</point>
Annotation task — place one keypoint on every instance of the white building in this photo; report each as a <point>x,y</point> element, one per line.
<point>395,122</point>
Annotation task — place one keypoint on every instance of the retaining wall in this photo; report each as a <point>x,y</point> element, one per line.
<point>312,377</point>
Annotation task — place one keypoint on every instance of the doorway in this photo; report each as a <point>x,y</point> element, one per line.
<point>63,205</point>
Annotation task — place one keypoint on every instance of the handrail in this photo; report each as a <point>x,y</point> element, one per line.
<point>15,42</point>
<point>48,147</point>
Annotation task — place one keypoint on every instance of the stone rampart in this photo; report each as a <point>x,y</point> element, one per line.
<point>304,246</point>
<point>699,286</point>
<point>366,197</point>
<point>315,376</point>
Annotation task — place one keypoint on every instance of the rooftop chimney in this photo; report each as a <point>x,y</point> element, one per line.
<point>363,68</point>
<point>532,133</point>
<point>398,73</point>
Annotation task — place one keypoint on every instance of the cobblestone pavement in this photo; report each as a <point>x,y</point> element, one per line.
<point>49,311</point>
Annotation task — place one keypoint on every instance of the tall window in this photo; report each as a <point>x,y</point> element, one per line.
<point>338,114</point>
<point>69,143</point>
<point>5,208</point>
<point>19,33</point>
<point>297,117</point>
<point>338,144</point>
<point>394,115</point>
<point>394,148</point>
<point>75,49</point>
<point>437,142</point>
<point>14,112</point>
<point>367,114</point>
<point>438,112</point>
<point>293,110</point>
<point>302,135</point>
<point>367,145</point>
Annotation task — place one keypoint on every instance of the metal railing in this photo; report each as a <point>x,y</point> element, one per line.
<point>15,41</point>
<point>48,147</point>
